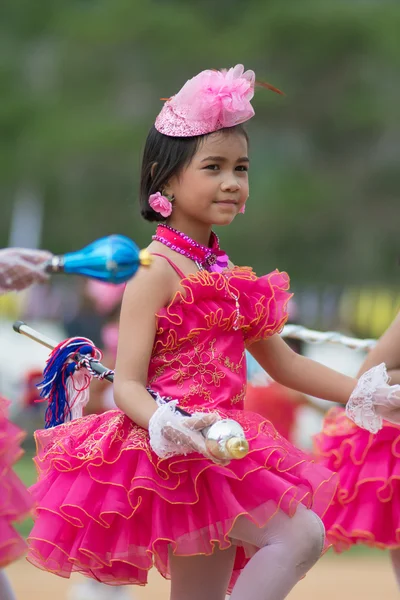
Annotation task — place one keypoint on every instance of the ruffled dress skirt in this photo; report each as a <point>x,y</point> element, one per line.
<point>366,508</point>
<point>109,508</point>
<point>15,500</point>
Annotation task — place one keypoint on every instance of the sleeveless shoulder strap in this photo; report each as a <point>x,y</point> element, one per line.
<point>172,264</point>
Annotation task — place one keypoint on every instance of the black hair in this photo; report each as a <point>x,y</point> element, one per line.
<point>170,155</point>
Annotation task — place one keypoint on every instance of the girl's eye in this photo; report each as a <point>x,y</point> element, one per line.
<point>242,168</point>
<point>212,167</point>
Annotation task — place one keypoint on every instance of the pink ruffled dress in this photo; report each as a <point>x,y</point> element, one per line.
<point>111,509</point>
<point>15,500</point>
<point>366,508</point>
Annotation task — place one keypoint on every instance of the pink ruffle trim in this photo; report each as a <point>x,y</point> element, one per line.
<point>110,508</point>
<point>263,306</point>
<point>366,508</point>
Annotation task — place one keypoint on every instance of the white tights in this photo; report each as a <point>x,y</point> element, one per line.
<point>288,548</point>
<point>395,556</point>
<point>6,592</point>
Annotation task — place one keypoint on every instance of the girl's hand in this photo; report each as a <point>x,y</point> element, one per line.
<point>172,433</point>
<point>387,403</point>
<point>21,267</point>
<point>189,437</point>
<point>373,400</point>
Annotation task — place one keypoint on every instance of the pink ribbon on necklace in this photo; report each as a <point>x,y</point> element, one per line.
<point>212,258</point>
<point>221,261</point>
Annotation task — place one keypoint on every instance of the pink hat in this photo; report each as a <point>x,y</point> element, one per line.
<point>210,101</point>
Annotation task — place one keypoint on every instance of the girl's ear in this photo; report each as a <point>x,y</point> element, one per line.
<point>153,169</point>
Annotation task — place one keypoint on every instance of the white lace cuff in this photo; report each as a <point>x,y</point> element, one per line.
<point>361,408</point>
<point>168,434</point>
<point>20,268</point>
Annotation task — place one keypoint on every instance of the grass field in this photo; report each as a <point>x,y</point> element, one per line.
<point>26,470</point>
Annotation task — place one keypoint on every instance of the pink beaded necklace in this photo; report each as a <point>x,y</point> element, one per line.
<point>210,258</point>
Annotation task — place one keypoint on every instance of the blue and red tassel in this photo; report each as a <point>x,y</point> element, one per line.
<point>65,383</point>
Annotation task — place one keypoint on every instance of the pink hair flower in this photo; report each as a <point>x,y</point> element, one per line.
<point>160,204</point>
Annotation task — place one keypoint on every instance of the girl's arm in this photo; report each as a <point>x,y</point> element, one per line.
<point>387,350</point>
<point>368,400</point>
<point>145,295</point>
<point>301,373</point>
<point>394,375</point>
<point>170,432</point>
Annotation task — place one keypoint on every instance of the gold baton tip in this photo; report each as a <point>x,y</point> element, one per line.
<point>145,258</point>
<point>237,447</point>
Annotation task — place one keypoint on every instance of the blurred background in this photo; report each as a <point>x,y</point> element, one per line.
<point>81,83</point>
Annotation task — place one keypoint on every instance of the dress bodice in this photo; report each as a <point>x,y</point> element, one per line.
<point>199,349</point>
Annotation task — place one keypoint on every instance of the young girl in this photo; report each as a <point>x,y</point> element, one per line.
<point>366,507</point>
<point>136,487</point>
<point>19,268</point>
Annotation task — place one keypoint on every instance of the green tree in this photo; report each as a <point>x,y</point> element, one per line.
<point>81,82</point>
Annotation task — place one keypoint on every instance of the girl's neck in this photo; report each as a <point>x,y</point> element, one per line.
<point>198,232</point>
<point>209,257</point>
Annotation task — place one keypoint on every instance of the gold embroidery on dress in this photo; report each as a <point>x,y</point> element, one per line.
<point>229,364</point>
<point>197,363</point>
<point>218,282</point>
<point>240,396</point>
<point>116,428</point>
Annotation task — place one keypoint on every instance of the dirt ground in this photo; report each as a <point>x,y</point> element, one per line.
<point>333,578</point>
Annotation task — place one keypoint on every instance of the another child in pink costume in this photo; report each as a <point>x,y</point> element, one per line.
<point>366,509</point>
<point>19,268</point>
<point>15,500</point>
<point>136,487</point>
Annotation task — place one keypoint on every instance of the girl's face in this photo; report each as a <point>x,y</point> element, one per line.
<point>214,186</point>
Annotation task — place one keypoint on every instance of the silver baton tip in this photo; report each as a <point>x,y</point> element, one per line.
<point>17,326</point>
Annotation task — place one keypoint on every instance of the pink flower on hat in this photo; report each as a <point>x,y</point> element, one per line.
<point>222,96</point>
<point>208,102</point>
<point>160,204</point>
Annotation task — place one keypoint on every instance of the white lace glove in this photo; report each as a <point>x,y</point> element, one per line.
<point>21,267</point>
<point>172,433</point>
<point>373,400</point>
